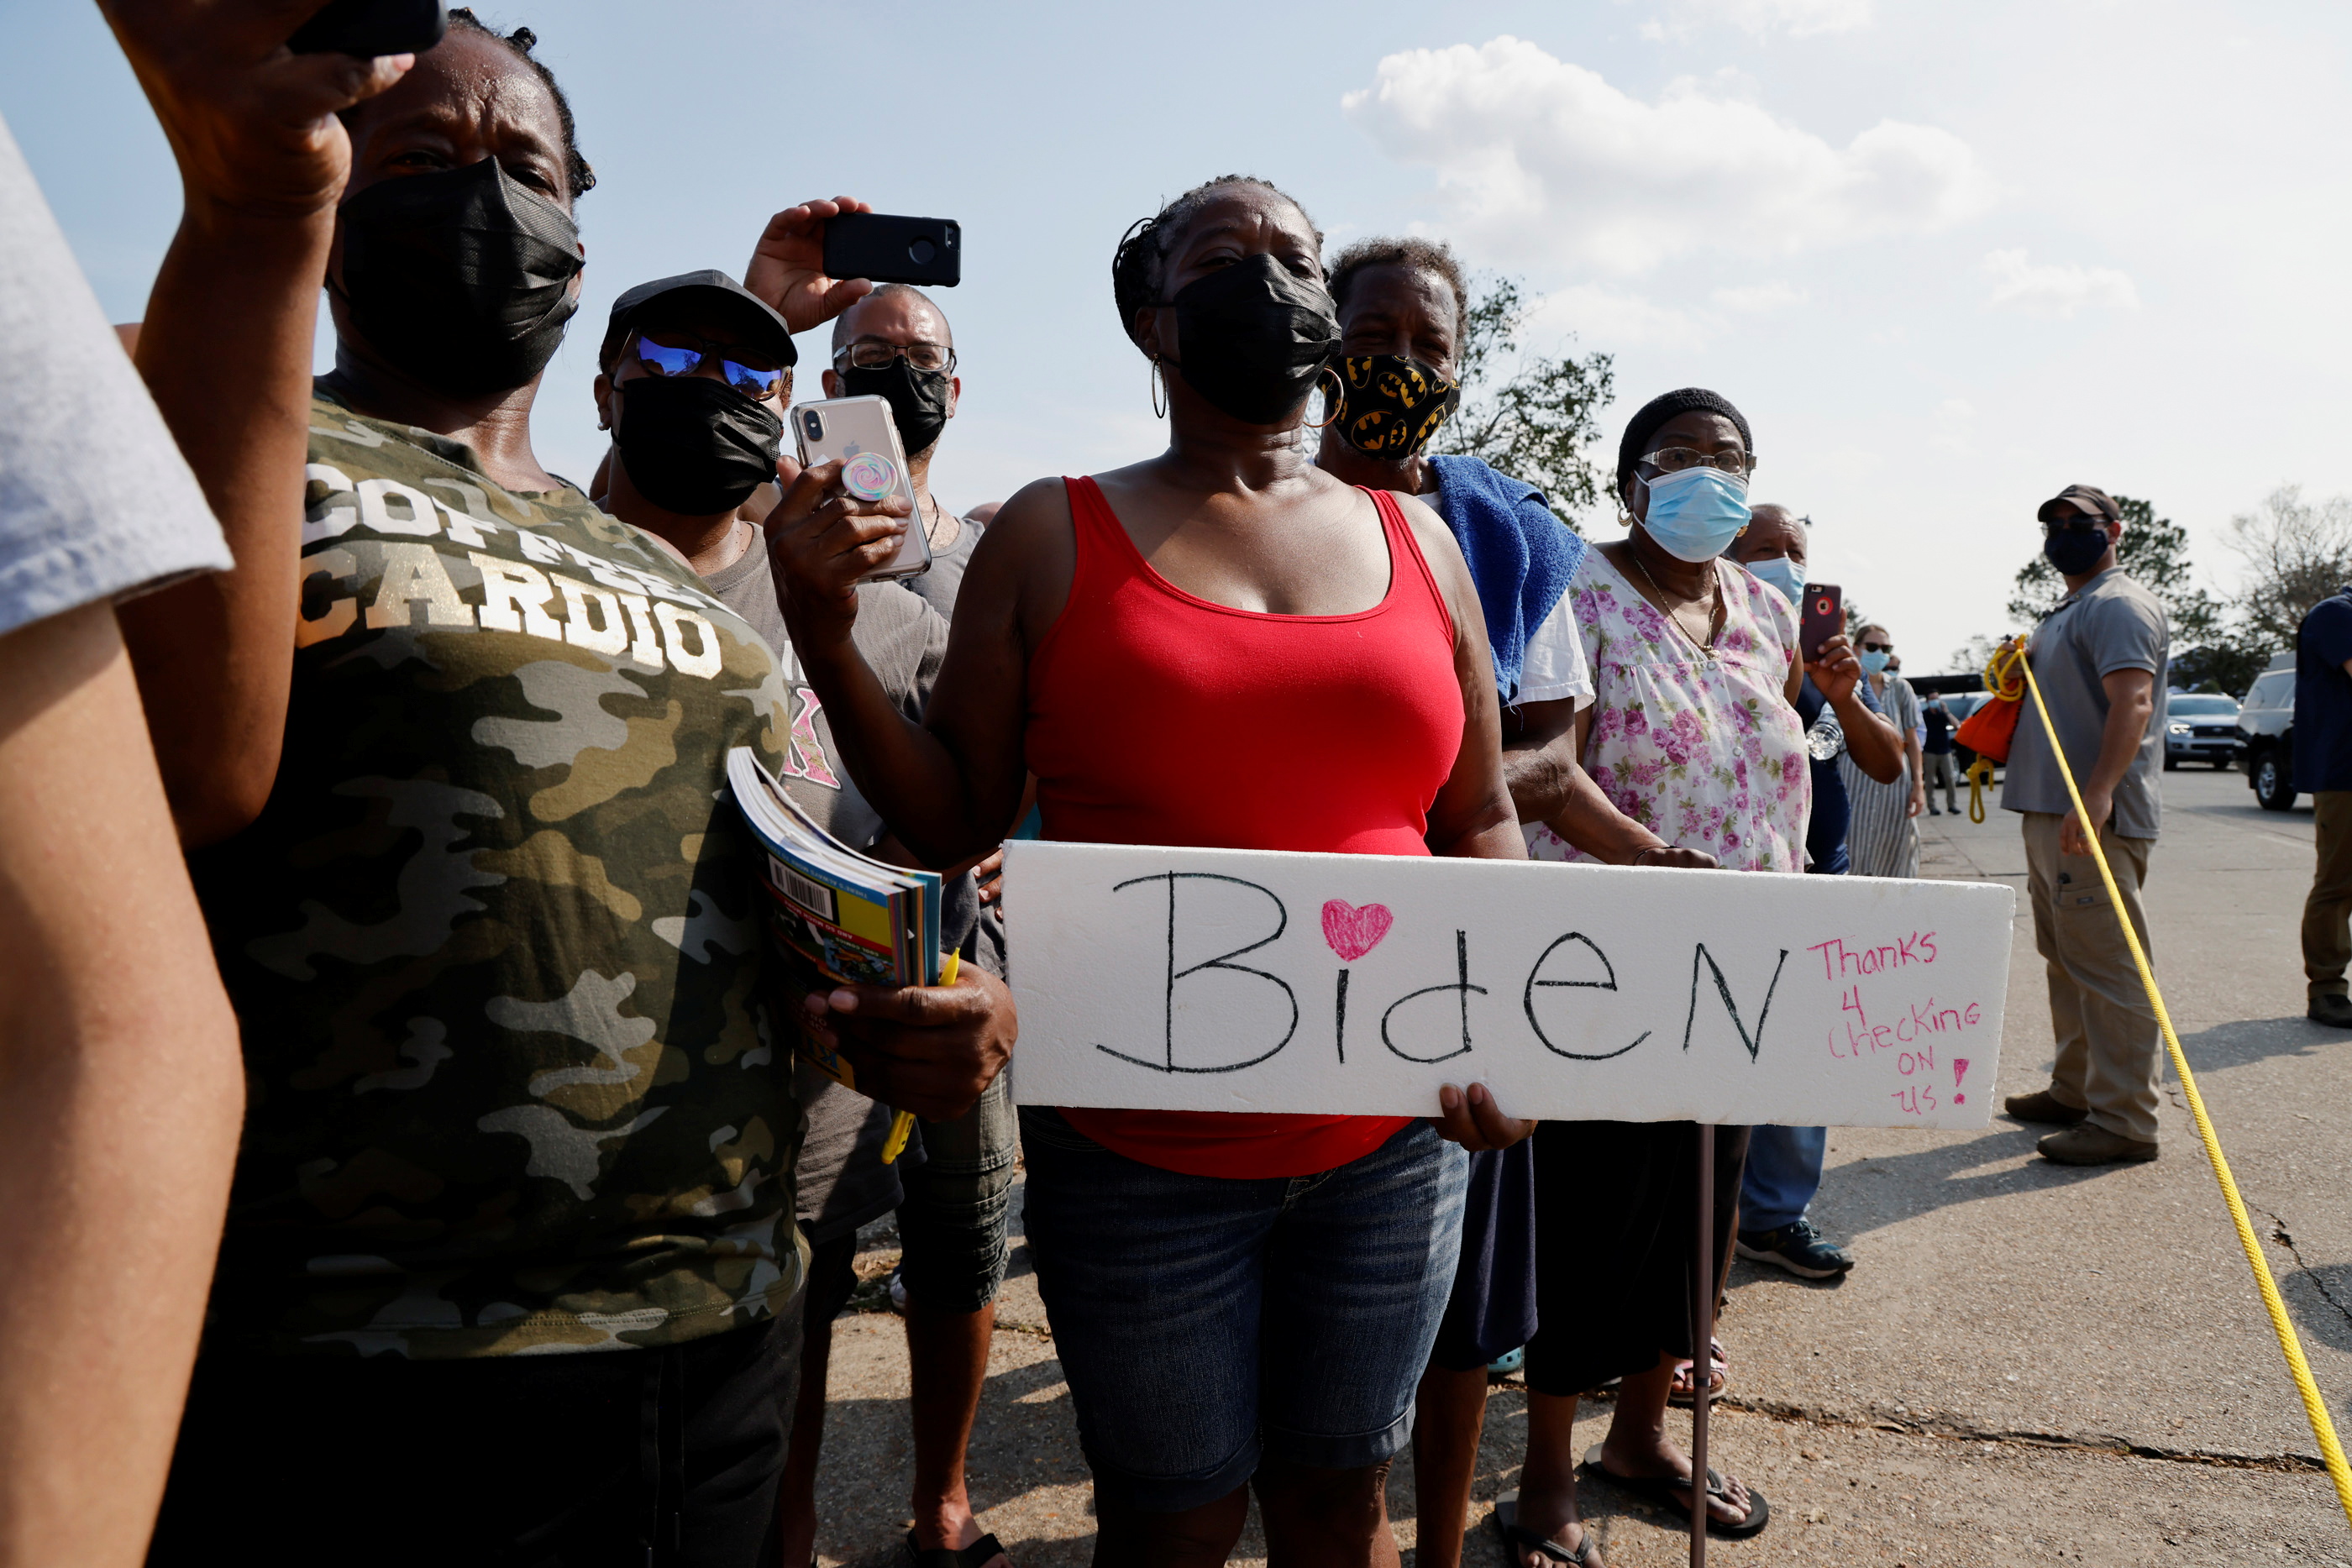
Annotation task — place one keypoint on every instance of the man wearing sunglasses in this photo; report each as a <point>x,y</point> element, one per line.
<point>2099,658</point>
<point>694,377</point>
<point>895,344</point>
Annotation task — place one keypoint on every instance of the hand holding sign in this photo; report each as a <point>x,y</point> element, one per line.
<point>1468,1117</point>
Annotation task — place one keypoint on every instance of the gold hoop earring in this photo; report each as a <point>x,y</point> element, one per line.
<point>1336,400</point>
<point>1159,391</point>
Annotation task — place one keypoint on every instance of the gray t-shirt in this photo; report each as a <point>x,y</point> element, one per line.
<point>839,1175</point>
<point>2112,623</point>
<point>95,500</point>
<point>940,586</point>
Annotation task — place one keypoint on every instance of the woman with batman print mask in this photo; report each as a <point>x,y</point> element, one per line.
<point>473,930</point>
<point>1222,646</point>
<point>1404,309</point>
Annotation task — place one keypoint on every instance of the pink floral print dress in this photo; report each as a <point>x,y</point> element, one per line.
<point>1699,745</point>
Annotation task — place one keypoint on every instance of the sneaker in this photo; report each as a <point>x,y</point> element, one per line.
<point>1933,812</point>
<point>1799,1249</point>
<point>2089,1146</point>
<point>1509,1363</point>
<point>2334,1009</point>
<point>898,1292</point>
<point>2043,1106</point>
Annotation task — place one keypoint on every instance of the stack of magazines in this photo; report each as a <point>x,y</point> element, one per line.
<point>835,915</point>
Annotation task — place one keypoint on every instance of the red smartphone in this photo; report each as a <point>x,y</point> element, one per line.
<point>1824,618</point>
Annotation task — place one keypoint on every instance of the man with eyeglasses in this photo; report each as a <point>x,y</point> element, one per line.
<point>954,1223</point>
<point>2099,658</point>
<point>694,377</point>
<point>1784,1164</point>
<point>895,344</point>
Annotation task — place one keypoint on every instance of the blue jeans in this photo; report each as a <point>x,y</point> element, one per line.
<point>1207,1322</point>
<point>1784,1171</point>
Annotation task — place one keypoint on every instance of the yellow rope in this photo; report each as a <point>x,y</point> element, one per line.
<point>2314,1405</point>
<point>2002,684</point>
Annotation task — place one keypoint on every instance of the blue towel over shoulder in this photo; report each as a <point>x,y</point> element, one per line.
<point>1520,556</point>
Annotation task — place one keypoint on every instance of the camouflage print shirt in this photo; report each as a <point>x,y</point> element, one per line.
<point>510,1090</point>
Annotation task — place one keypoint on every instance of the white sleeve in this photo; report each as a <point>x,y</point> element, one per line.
<point>1555,665</point>
<point>95,499</point>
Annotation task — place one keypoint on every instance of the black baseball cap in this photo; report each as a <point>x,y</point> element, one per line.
<point>708,292</point>
<point>2084,498</point>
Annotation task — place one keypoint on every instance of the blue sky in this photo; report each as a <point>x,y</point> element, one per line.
<point>1947,258</point>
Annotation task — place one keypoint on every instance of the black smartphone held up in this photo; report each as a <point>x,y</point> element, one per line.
<point>1824,618</point>
<point>371,27</point>
<point>893,250</point>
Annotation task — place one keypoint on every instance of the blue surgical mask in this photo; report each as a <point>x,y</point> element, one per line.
<point>1874,664</point>
<point>1781,572</point>
<point>1695,513</point>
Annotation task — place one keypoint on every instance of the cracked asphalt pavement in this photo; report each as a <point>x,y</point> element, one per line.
<point>2033,1364</point>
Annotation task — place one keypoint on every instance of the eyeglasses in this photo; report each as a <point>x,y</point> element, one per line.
<point>2074,525</point>
<point>871,354</point>
<point>1878,647</point>
<point>749,371</point>
<point>1674,459</point>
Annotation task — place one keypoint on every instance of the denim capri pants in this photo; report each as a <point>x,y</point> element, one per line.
<point>953,1222</point>
<point>1208,1322</point>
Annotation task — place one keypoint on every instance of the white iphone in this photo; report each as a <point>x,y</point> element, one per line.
<point>860,433</point>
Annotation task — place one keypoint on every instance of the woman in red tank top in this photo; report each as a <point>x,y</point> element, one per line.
<point>1221,645</point>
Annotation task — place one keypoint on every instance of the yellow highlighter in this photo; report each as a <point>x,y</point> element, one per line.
<point>902,1126</point>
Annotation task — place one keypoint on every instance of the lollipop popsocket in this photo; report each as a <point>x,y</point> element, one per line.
<point>869,476</point>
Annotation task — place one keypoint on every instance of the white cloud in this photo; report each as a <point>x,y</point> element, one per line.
<point>1758,18</point>
<point>1540,158</point>
<point>2052,291</point>
<point>1614,320</point>
<point>1755,300</point>
<point>1954,427</point>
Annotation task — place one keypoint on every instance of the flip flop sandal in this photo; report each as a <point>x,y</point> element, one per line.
<point>1517,1540</point>
<point>1718,1370</point>
<point>1673,1494</point>
<point>981,1553</point>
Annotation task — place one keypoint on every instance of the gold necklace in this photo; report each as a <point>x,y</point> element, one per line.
<point>1714,601</point>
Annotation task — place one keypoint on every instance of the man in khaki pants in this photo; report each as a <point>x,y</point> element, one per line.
<point>2322,767</point>
<point>2099,659</point>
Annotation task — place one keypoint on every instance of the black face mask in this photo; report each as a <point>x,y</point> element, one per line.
<point>918,400</point>
<point>1253,337</point>
<point>1390,405</point>
<point>460,278</point>
<point>694,445</point>
<point>2074,551</point>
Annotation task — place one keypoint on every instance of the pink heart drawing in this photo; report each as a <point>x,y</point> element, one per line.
<point>1354,932</point>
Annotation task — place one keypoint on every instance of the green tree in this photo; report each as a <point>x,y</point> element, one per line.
<point>1535,422</point>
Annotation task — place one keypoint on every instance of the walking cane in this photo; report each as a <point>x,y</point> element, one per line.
<point>1702,1345</point>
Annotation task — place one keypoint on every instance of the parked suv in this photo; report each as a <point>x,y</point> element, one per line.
<point>2201,729</point>
<point>2266,723</point>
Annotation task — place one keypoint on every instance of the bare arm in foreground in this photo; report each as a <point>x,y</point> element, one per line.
<point>121,1093</point>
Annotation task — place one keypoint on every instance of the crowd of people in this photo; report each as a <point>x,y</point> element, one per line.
<point>480,1205</point>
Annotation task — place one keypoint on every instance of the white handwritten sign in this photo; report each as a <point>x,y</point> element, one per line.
<point>1243,980</point>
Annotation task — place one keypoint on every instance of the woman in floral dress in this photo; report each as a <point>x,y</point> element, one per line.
<point>1693,734</point>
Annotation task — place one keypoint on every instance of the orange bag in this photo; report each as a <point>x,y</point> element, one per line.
<point>1989,731</point>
